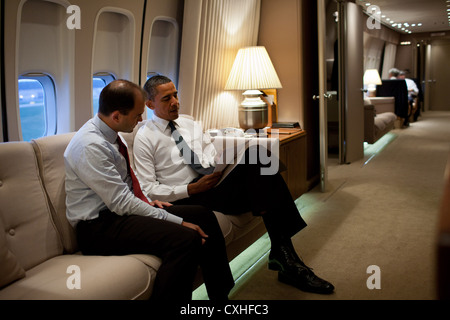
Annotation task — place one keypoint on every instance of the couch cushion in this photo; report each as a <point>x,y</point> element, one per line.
<point>10,270</point>
<point>380,124</point>
<point>244,223</point>
<point>235,226</point>
<point>31,234</point>
<point>387,117</point>
<point>50,155</point>
<point>100,278</point>
<point>152,261</point>
<point>226,226</point>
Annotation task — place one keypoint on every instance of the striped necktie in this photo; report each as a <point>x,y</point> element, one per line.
<point>189,156</point>
<point>136,186</point>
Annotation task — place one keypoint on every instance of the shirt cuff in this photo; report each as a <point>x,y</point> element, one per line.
<point>173,218</point>
<point>182,192</point>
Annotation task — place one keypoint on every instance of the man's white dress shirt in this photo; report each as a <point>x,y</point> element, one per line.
<point>159,166</point>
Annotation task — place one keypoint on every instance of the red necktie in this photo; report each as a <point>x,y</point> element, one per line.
<point>136,186</point>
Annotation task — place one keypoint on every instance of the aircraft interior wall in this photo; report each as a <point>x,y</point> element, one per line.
<point>62,46</point>
<point>125,39</point>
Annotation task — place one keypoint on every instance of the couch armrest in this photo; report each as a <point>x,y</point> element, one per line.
<point>383,104</point>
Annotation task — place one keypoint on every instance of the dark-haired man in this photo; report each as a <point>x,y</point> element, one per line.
<point>165,173</point>
<point>112,217</point>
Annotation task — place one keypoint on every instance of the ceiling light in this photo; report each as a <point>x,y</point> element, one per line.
<point>419,24</point>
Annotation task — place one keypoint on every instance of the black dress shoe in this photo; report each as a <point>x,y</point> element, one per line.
<point>282,259</point>
<point>293,271</point>
<point>305,280</point>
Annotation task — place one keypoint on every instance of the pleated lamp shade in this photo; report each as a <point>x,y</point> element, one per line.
<point>253,70</point>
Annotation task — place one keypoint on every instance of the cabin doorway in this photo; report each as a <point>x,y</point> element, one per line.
<point>343,72</point>
<point>437,76</point>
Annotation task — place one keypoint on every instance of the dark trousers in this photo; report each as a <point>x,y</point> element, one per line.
<point>246,189</point>
<point>180,249</point>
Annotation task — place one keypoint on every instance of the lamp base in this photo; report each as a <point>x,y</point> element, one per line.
<point>371,90</point>
<point>253,112</point>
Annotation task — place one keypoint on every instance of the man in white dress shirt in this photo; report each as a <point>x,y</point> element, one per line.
<point>166,175</point>
<point>413,93</point>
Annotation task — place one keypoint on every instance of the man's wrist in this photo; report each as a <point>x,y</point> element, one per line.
<point>191,188</point>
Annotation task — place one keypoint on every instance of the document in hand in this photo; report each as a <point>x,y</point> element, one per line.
<point>231,151</point>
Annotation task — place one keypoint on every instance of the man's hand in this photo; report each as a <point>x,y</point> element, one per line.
<point>204,183</point>
<point>196,228</point>
<point>160,204</point>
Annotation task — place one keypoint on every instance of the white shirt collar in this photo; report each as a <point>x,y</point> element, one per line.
<point>162,124</point>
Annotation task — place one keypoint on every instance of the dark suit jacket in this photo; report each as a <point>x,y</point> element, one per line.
<point>395,88</point>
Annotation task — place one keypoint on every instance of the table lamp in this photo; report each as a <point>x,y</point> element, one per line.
<point>371,79</point>
<point>253,71</point>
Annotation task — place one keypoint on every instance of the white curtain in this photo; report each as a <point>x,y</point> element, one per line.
<point>213,32</point>
<point>373,47</point>
<point>389,59</point>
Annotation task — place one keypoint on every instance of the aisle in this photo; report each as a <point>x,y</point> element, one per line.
<point>380,212</point>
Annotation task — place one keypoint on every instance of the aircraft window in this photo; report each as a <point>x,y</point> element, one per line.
<point>98,83</point>
<point>37,106</point>
<point>163,50</point>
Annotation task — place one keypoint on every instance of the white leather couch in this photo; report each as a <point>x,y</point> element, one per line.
<point>379,117</point>
<point>39,257</point>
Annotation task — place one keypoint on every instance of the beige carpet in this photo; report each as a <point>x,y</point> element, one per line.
<point>381,210</point>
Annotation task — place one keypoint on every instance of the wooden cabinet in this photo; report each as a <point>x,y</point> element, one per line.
<point>293,156</point>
